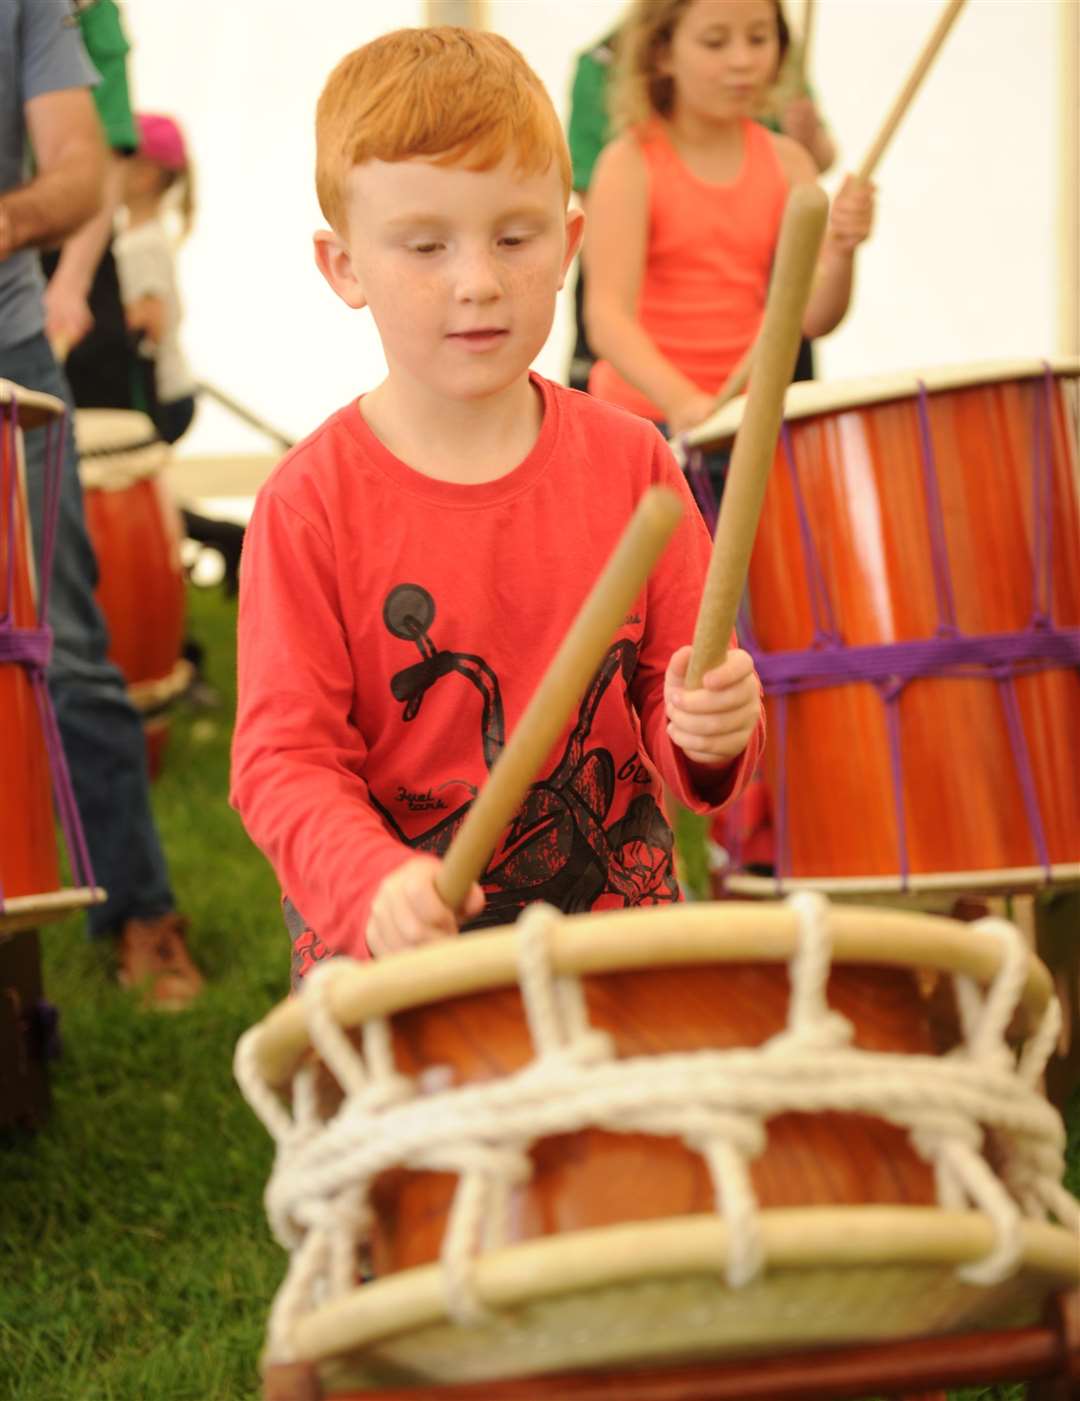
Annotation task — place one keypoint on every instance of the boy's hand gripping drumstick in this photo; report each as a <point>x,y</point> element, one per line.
<point>559,691</point>
<point>776,347</point>
<point>908,91</point>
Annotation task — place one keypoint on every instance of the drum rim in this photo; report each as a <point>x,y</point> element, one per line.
<point>809,398</point>
<point>800,1240</point>
<point>637,939</point>
<point>20,912</point>
<point>152,696</point>
<point>916,886</point>
<point>117,448</point>
<point>35,408</point>
<point>106,430</point>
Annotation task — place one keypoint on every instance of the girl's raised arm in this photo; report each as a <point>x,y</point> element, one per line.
<point>850,220</point>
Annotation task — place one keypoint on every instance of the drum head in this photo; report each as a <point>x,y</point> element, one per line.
<point>116,448</point>
<point>34,409</point>
<point>810,398</point>
<point>654,1293</point>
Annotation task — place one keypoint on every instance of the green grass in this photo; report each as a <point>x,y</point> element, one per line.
<point>135,1260</point>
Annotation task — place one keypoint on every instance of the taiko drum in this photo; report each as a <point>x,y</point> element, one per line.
<point>594,1178</point>
<point>661,985</point>
<point>136,532</point>
<point>942,509</point>
<point>28,857</point>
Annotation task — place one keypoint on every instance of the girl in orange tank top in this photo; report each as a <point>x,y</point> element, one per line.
<point>684,208</point>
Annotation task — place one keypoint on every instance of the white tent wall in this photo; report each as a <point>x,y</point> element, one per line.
<point>965,263</point>
<point>243,77</point>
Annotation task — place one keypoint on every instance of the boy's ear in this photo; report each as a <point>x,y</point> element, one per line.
<point>575,231</point>
<point>333,260</point>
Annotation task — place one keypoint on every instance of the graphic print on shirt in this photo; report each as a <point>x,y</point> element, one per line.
<point>558,847</point>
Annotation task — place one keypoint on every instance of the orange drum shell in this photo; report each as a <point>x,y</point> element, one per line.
<point>862,485</point>
<point>136,536</point>
<point>28,859</point>
<point>595,1178</point>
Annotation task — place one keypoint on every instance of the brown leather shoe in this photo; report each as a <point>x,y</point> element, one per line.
<point>153,957</point>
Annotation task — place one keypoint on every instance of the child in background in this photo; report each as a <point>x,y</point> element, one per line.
<point>685,208</point>
<point>158,180</point>
<point>145,259</point>
<point>411,568</point>
<point>789,107</point>
<point>587,134</point>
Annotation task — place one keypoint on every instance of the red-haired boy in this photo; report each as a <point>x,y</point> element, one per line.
<point>411,568</point>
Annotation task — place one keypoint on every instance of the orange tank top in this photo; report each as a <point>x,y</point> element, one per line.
<point>710,248</point>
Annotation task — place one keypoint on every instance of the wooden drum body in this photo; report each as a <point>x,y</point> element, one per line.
<point>914,595</point>
<point>137,533</point>
<point>30,776</point>
<point>28,856</point>
<point>662,1145</point>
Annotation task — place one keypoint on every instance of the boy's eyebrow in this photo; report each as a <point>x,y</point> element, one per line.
<point>527,211</point>
<point>408,221</point>
<point>431,219</point>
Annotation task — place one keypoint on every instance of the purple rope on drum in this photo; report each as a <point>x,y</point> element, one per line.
<point>31,648</point>
<point>889,667</point>
<point>697,476</point>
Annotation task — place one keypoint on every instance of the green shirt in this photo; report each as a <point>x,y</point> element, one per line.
<point>107,44</point>
<point>588,130</point>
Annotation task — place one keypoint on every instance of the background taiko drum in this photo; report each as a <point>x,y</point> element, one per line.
<point>28,857</point>
<point>137,533</point>
<point>848,485</point>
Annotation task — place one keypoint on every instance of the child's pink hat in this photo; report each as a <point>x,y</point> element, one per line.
<point>161,140</point>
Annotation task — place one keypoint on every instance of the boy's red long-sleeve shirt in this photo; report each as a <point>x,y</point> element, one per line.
<point>392,631</point>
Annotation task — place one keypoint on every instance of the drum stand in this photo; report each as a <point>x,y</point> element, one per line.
<point>1056,935</point>
<point>29,1038</point>
<point>27,1033</point>
<point>1047,1356</point>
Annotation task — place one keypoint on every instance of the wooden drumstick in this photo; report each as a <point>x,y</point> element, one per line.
<point>807,31</point>
<point>908,91</point>
<point>777,346</point>
<point>736,381</point>
<point>559,691</point>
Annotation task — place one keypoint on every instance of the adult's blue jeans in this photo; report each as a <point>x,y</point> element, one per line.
<point>101,731</point>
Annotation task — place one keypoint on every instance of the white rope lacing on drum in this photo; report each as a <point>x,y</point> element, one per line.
<point>717,1102</point>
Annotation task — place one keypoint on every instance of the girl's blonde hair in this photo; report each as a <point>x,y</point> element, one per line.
<point>639,90</point>
<point>162,145</point>
<point>179,187</point>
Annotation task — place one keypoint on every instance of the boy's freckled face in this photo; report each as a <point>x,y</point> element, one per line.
<point>460,268</point>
